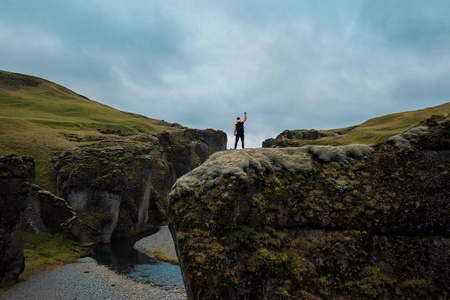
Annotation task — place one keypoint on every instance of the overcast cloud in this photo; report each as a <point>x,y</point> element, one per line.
<point>289,64</point>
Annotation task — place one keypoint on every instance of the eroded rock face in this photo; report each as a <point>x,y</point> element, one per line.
<point>24,205</point>
<point>47,213</point>
<point>15,173</point>
<point>109,188</point>
<point>318,223</point>
<point>117,188</point>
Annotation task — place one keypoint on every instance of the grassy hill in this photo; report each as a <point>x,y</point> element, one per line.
<point>371,132</point>
<point>378,129</point>
<point>41,119</point>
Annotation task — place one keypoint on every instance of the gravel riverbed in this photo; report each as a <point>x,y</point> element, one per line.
<point>88,280</point>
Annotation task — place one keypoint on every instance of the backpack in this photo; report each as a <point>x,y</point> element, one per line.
<point>240,127</point>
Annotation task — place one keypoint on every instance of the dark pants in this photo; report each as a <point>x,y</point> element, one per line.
<point>241,136</point>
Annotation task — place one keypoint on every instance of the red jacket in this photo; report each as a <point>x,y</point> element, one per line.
<point>239,121</point>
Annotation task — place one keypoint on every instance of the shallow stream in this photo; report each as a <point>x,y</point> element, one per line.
<point>121,257</point>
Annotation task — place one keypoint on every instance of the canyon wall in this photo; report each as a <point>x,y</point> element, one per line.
<point>319,222</point>
<point>117,188</point>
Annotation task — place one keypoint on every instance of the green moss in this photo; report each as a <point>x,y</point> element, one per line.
<point>46,250</point>
<point>332,170</point>
<point>161,256</point>
<point>94,220</point>
<point>323,282</point>
<point>419,287</point>
<point>284,295</point>
<point>296,264</point>
<point>287,177</point>
<point>339,188</point>
<point>290,259</point>
<point>274,191</point>
<point>313,195</point>
<point>181,235</point>
<point>277,251</point>
<point>272,199</point>
<point>372,282</point>
<point>242,235</point>
<point>334,165</point>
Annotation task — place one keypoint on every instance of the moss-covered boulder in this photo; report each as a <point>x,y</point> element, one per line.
<point>319,222</point>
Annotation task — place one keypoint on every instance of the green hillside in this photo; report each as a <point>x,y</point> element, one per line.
<point>41,119</point>
<point>371,132</point>
<point>379,129</point>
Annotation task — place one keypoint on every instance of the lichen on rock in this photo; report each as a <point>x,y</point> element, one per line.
<point>318,222</point>
<point>294,160</point>
<point>236,164</point>
<point>413,134</point>
<point>341,154</point>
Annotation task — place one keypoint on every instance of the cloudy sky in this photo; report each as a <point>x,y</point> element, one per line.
<point>290,64</point>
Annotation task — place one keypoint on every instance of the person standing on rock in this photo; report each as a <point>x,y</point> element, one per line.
<point>239,130</point>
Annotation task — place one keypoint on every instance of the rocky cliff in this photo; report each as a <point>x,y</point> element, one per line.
<point>108,189</point>
<point>118,187</point>
<point>15,173</point>
<point>47,213</point>
<point>24,205</point>
<point>319,222</point>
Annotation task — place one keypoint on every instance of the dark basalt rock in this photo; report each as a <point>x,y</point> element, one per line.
<point>15,173</point>
<point>117,188</point>
<point>47,213</point>
<point>319,223</point>
<point>294,138</point>
<point>24,205</point>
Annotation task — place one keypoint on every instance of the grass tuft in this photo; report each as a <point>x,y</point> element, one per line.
<point>47,251</point>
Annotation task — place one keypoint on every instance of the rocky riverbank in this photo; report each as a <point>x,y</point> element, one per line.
<point>88,280</point>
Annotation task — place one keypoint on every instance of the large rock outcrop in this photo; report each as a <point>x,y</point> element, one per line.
<point>117,188</point>
<point>15,173</point>
<point>319,222</point>
<point>47,213</point>
<point>294,138</point>
<point>24,205</point>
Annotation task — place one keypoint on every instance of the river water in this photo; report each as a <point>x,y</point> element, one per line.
<point>121,257</point>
